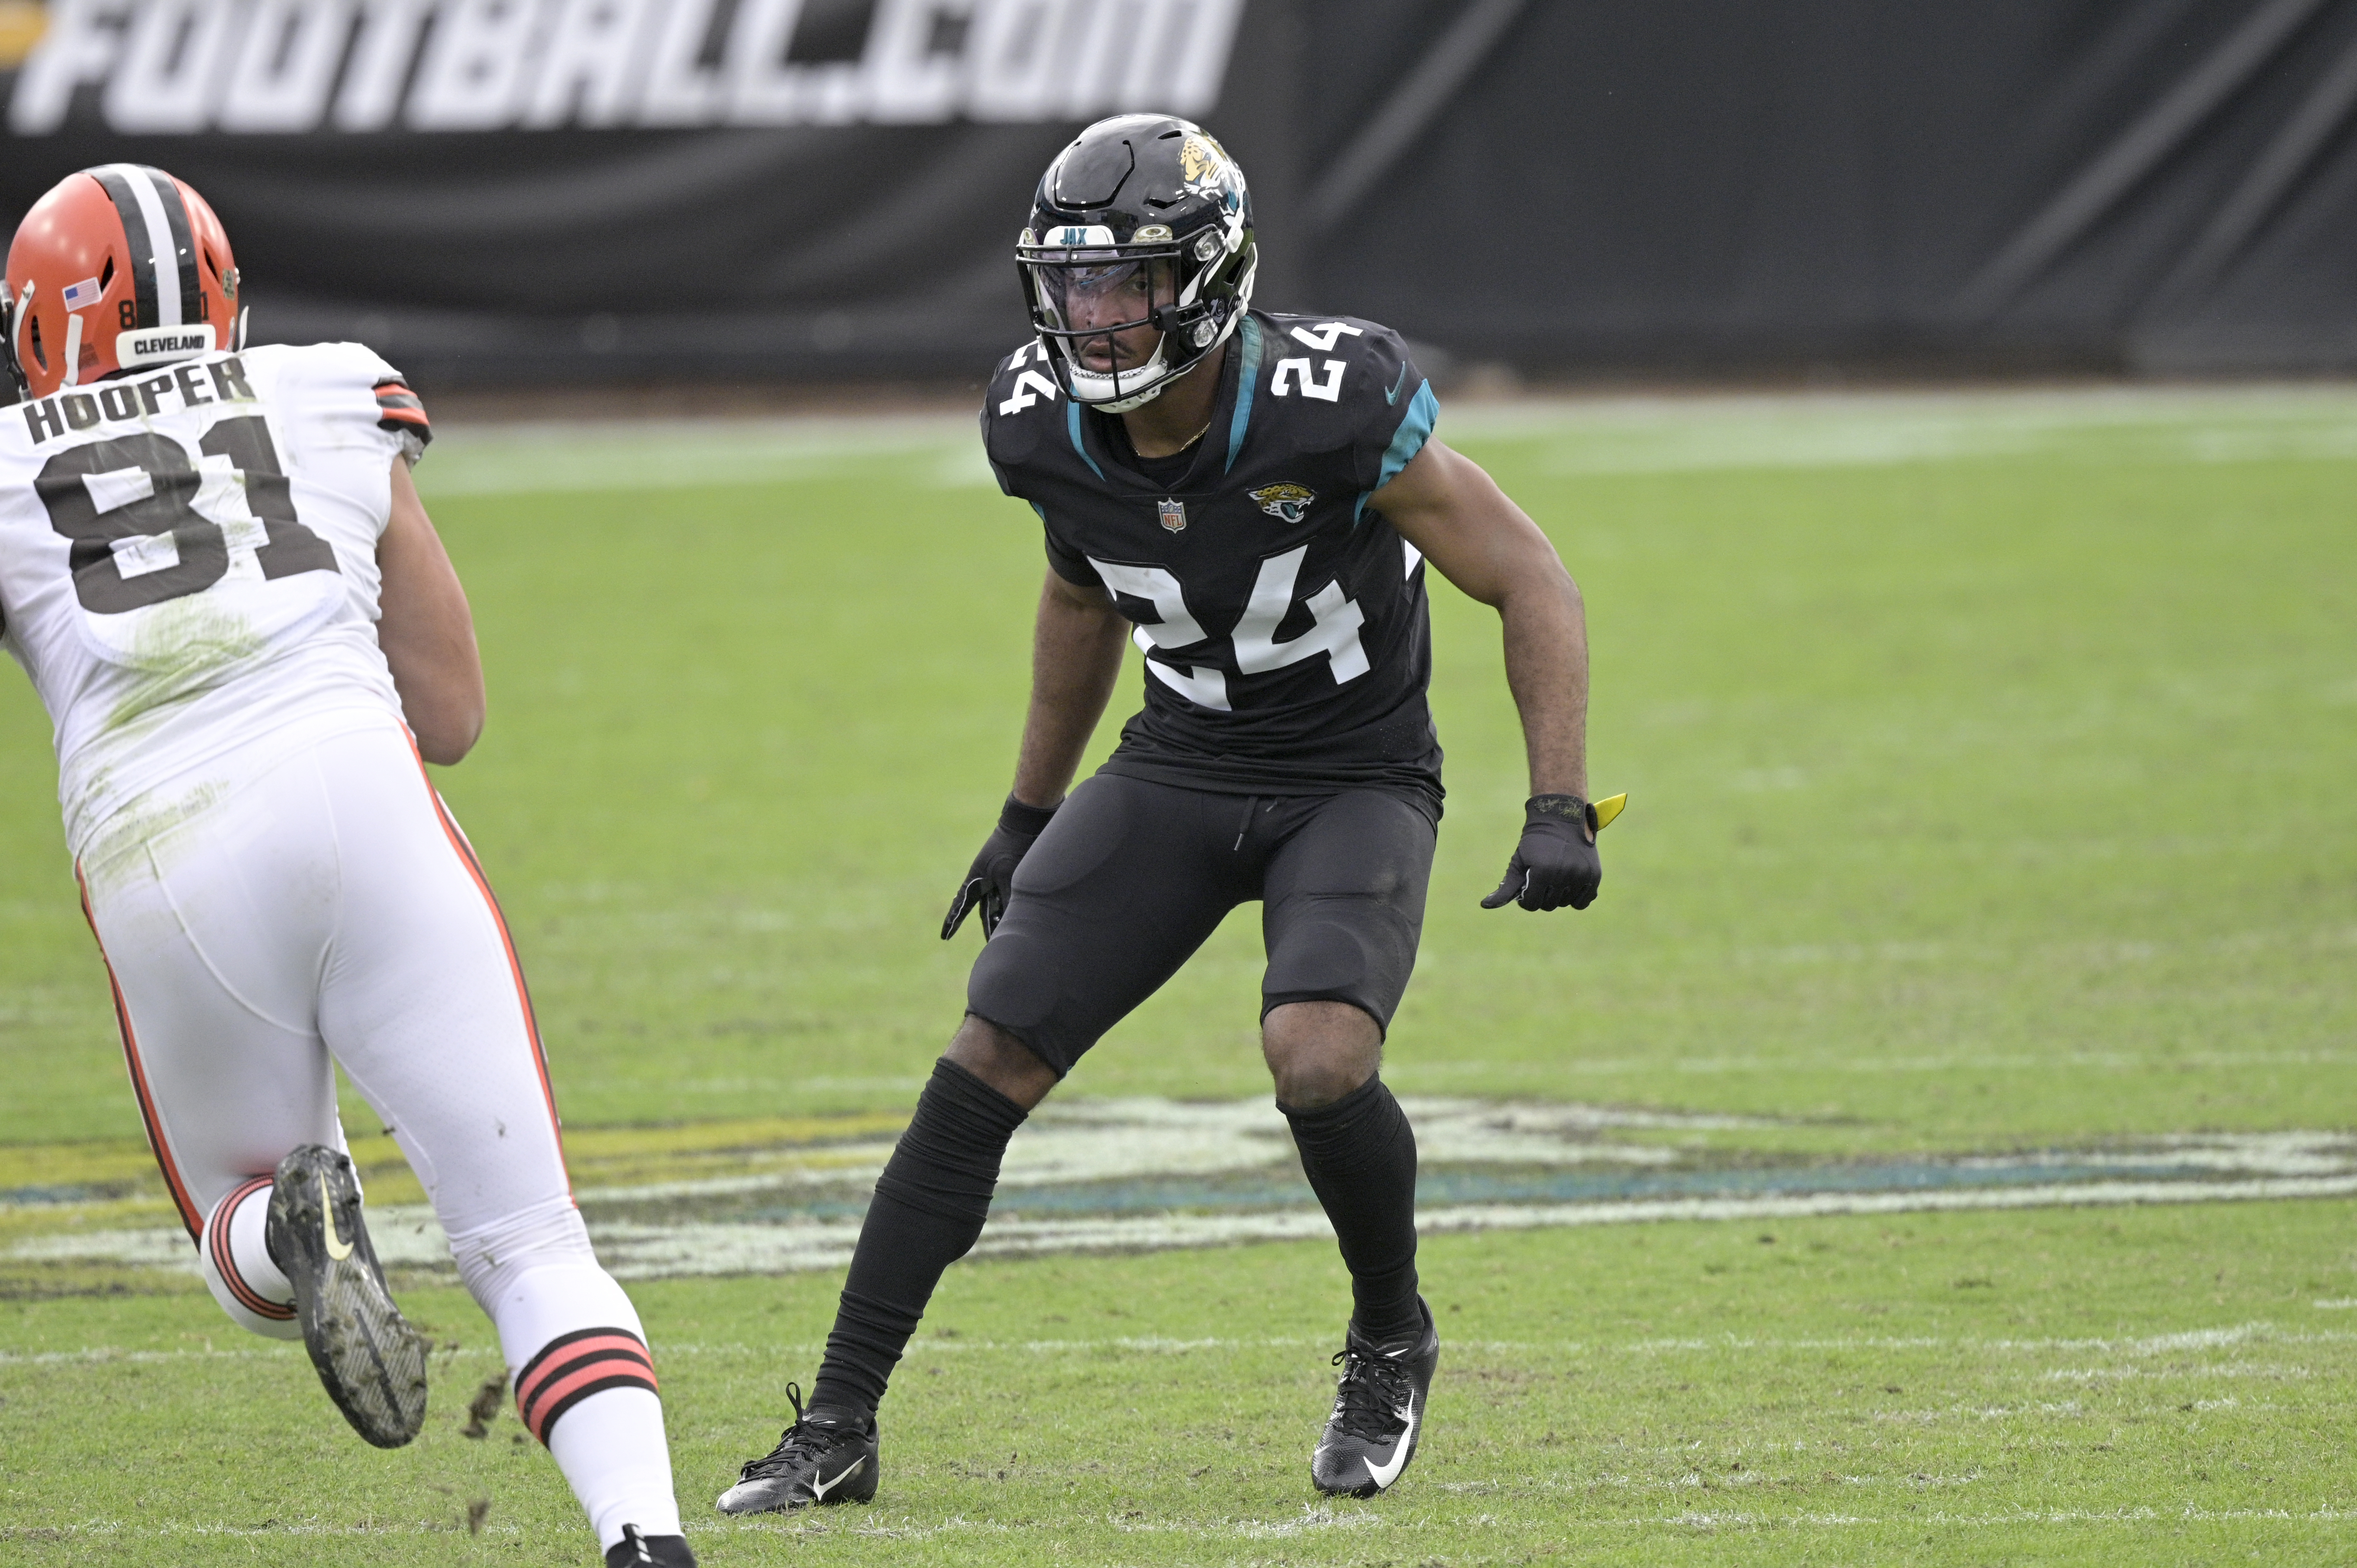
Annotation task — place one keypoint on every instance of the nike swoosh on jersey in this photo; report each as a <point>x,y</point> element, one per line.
<point>819,1488</point>
<point>338,1247</point>
<point>1393,395</point>
<point>1388,1472</point>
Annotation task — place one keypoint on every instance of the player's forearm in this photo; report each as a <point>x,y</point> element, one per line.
<point>445,712</point>
<point>1546,670</point>
<point>1075,660</point>
<point>427,631</point>
<point>428,637</point>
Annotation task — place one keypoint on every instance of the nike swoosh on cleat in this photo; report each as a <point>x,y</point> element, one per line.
<point>1393,395</point>
<point>819,1488</point>
<point>338,1249</point>
<point>1384,1474</point>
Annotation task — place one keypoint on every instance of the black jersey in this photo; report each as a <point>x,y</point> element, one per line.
<point>1287,638</point>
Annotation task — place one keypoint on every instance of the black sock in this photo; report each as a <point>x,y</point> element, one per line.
<point>1359,1155</point>
<point>929,1207</point>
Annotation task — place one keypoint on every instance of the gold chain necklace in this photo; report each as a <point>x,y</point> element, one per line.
<point>1188,442</point>
<point>1198,435</point>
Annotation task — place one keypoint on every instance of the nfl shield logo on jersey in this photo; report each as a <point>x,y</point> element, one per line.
<point>1173,514</point>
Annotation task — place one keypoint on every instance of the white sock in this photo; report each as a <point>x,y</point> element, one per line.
<point>612,1450</point>
<point>585,1386</point>
<point>237,1267</point>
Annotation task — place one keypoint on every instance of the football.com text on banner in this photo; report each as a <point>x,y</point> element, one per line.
<point>184,67</point>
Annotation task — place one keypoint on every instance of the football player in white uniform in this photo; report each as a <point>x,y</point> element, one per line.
<point>217,571</point>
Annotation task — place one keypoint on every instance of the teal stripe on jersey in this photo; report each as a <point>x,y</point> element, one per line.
<point>1245,379</point>
<point>1072,425</point>
<point>1414,430</point>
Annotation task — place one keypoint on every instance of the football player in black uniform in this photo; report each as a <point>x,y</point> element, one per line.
<point>1258,497</point>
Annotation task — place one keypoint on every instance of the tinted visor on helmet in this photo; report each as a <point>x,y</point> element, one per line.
<point>1106,306</point>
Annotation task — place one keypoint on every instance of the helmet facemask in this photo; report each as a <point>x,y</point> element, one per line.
<point>1089,293</point>
<point>12,368</point>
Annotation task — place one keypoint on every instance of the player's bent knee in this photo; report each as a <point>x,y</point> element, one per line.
<point>1319,1050</point>
<point>1316,1026</point>
<point>1311,1085</point>
<point>1001,1060</point>
<point>490,1258</point>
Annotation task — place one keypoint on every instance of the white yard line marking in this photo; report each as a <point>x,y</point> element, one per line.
<point>2071,1195</point>
<point>664,454</point>
<point>1312,1519</point>
<point>109,1355</point>
<point>1578,435</point>
<point>2174,1343</point>
<point>113,1528</point>
<point>2179,1342</point>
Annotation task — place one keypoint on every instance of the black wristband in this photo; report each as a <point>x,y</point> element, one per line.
<point>1567,808</point>
<point>1029,820</point>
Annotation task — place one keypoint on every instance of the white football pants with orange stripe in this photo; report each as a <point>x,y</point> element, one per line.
<point>296,909</point>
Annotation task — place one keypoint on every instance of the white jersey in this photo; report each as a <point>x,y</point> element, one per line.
<point>187,563</point>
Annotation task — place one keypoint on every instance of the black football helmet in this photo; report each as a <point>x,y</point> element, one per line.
<point>1139,192</point>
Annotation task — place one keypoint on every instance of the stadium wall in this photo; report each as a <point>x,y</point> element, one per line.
<point>519,191</point>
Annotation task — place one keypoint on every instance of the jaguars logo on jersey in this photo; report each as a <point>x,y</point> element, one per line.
<point>1289,502</point>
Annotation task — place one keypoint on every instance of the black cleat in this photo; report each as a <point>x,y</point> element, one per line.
<point>1378,1412</point>
<point>825,1456</point>
<point>637,1551</point>
<point>373,1362</point>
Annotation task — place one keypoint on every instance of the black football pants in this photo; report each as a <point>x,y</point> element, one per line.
<point>1131,877</point>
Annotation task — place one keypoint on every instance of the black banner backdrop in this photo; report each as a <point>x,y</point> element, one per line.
<point>531,190</point>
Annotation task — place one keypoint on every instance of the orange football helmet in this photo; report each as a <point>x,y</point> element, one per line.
<point>118,267</point>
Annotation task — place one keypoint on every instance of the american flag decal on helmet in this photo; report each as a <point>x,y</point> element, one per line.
<point>401,412</point>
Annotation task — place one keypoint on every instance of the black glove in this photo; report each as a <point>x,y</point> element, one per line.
<point>1555,863</point>
<point>992,875</point>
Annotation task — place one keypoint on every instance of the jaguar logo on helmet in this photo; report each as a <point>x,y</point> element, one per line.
<point>1204,166</point>
<point>1288,500</point>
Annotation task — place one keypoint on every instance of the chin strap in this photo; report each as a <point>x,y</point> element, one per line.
<point>1156,368</point>
<point>1124,405</point>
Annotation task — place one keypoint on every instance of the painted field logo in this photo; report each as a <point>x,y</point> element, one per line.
<point>1289,502</point>
<point>1173,515</point>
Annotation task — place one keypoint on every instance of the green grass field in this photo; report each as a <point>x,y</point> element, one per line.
<point>1989,758</point>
